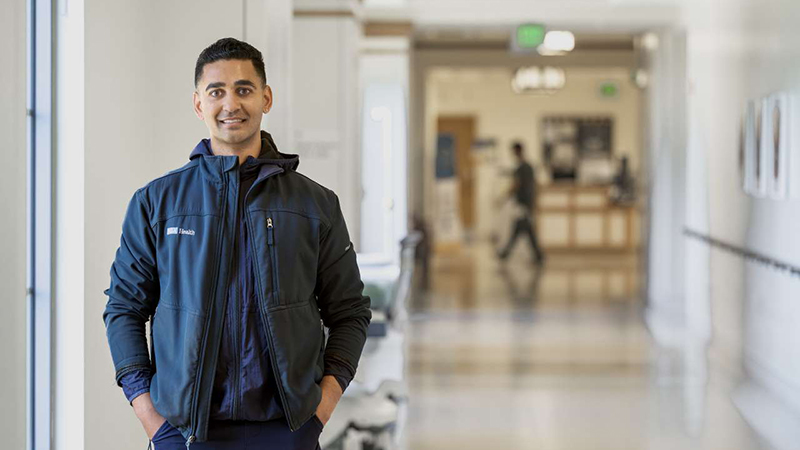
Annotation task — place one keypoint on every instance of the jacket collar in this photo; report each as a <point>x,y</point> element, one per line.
<point>269,154</point>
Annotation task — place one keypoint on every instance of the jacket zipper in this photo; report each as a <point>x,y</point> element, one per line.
<point>265,322</point>
<point>274,259</point>
<point>193,420</point>
<point>235,332</point>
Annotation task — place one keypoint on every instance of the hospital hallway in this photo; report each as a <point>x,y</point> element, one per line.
<point>408,151</point>
<point>518,357</point>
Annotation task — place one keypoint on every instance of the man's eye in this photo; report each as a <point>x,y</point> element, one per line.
<point>215,93</point>
<point>244,91</point>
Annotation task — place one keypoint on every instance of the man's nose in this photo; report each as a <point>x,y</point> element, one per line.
<point>231,105</point>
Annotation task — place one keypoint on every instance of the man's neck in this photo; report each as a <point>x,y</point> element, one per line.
<point>251,147</point>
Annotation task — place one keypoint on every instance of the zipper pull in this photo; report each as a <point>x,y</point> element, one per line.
<point>270,237</point>
<point>190,441</point>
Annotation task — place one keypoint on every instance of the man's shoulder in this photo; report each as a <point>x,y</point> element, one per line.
<point>174,176</point>
<point>309,185</point>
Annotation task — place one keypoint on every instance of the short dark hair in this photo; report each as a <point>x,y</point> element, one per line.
<point>229,48</point>
<point>518,149</point>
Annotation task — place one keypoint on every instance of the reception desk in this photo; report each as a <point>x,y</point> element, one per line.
<point>579,218</point>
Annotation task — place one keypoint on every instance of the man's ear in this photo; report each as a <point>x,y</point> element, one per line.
<point>267,99</point>
<point>198,107</point>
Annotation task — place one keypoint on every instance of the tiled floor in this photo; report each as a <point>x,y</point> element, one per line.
<point>515,357</point>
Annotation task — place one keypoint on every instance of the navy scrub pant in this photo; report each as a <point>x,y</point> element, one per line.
<point>243,435</point>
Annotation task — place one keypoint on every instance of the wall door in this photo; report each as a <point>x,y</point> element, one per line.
<point>462,128</point>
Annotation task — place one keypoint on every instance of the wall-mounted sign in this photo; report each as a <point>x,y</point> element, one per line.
<point>609,89</point>
<point>750,142</point>
<point>766,148</point>
<point>778,145</point>
<point>528,37</point>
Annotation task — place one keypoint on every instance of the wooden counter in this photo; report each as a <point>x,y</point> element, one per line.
<point>579,218</point>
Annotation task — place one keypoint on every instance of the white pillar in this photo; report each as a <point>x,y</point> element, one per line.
<point>384,76</point>
<point>325,101</point>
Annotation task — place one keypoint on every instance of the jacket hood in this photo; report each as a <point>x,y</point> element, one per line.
<point>269,153</point>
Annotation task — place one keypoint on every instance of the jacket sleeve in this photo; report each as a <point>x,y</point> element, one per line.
<point>134,291</point>
<point>135,383</point>
<point>344,310</point>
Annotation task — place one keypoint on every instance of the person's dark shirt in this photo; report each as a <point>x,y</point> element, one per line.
<point>525,185</point>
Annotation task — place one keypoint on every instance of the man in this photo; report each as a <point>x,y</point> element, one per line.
<point>238,261</point>
<point>524,192</point>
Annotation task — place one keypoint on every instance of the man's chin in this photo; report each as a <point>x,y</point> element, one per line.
<point>235,137</point>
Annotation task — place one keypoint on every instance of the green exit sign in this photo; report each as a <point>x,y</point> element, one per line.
<point>609,89</point>
<point>529,36</point>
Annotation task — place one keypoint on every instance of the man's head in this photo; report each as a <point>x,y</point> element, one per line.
<point>231,92</point>
<point>518,149</point>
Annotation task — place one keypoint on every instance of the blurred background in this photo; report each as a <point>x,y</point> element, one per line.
<point>663,138</point>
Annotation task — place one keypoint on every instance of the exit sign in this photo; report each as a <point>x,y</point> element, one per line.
<point>609,89</point>
<point>529,37</point>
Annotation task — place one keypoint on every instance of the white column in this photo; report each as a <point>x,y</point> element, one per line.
<point>325,101</point>
<point>666,315</point>
<point>384,76</point>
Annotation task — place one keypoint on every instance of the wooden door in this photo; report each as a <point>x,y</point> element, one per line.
<point>462,128</point>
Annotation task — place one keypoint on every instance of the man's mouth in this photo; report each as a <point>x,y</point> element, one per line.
<point>232,121</point>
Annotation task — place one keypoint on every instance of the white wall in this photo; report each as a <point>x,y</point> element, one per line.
<point>13,224</point>
<point>744,50</point>
<point>486,95</point>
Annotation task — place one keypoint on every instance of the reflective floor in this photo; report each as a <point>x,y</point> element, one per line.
<point>514,357</point>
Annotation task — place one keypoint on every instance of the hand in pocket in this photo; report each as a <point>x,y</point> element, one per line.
<point>151,420</point>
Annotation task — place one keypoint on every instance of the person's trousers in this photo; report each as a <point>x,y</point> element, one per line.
<point>243,435</point>
<point>523,226</point>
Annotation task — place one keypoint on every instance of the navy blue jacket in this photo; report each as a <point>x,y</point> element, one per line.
<point>174,266</point>
<point>244,386</point>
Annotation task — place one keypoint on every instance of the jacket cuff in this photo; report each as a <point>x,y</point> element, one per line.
<point>135,383</point>
<point>338,370</point>
<point>343,382</point>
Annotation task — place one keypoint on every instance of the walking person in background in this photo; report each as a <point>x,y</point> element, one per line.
<point>523,192</point>
<point>238,261</point>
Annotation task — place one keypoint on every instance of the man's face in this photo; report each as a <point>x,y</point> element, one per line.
<point>231,98</point>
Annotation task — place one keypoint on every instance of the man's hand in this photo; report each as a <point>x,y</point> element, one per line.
<point>147,414</point>
<point>331,393</point>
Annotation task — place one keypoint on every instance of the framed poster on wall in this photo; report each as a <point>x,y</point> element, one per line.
<point>750,145</point>
<point>779,146</point>
<point>763,154</point>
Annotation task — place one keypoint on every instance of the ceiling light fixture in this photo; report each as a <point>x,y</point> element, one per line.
<point>557,43</point>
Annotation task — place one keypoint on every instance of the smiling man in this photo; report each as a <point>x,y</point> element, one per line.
<point>239,262</point>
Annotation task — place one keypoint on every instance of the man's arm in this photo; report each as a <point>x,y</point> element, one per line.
<point>344,310</point>
<point>136,386</point>
<point>132,298</point>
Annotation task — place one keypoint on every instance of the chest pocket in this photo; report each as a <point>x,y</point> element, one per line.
<point>186,260</point>
<point>287,251</point>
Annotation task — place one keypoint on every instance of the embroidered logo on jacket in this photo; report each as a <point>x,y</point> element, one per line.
<point>178,230</point>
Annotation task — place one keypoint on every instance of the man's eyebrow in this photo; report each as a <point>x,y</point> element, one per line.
<point>236,83</point>
<point>215,85</point>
